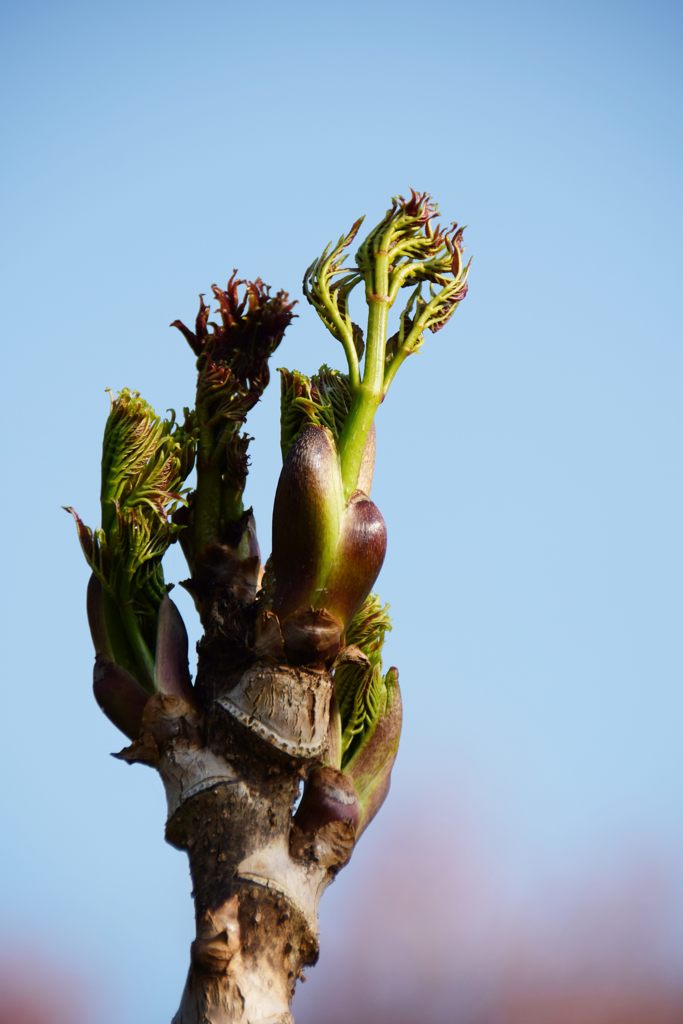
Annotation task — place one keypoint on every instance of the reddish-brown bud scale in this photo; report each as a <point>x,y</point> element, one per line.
<point>328,796</point>
<point>306,520</point>
<point>171,671</point>
<point>119,695</point>
<point>370,767</point>
<point>360,554</point>
<point>326,553</point>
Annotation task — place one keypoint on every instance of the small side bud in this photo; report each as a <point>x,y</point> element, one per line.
<point>326,552</point>
<point>232,568</point>
<point>307,514</point>
<point>119,695</point>
<point>359,558</point>
<point>312,636</point>
<point>171,672</point>
<point>325,824</point>
<point>328,796</point>
<point>370,766</point>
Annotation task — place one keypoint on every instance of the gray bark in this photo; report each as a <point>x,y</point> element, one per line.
<point>232,774</point>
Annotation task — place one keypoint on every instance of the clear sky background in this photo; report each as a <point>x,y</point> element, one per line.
<point>529,458</point>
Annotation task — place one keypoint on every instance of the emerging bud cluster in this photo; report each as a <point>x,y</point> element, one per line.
<point>405,250</point>
<point>232,373</point>
<point>144,462</point>
<point>311,615</point>
<point>327,552</point>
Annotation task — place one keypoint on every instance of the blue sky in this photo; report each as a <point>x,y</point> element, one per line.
<point>529,457</point>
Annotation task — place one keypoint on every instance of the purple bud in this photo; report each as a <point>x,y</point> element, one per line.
<point>370,767</point>
<point>328,796</point>
<point>359,557</point>
<point>326,552</point>
<point>119,695</point>
<point>306,520</point>
<point>171,672</point>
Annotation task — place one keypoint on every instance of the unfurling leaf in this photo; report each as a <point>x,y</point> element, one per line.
<point>327,285</point>
<point>144,459</point>
<point>406,249</point>
<point>322,400</point>
<point>370,710</point>
<point>360,688</point>
<point>232,372</point>
<point>371,761</point>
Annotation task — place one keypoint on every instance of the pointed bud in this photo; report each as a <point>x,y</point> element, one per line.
<point>307,511</point>
<point>328,796</point>
<point>171,672</point>
<point>85,534</point>
<point>119,695</point>
<point>359,557</point>
<point>326,553</point>
<point>370,767</point>
<point>324,826</point>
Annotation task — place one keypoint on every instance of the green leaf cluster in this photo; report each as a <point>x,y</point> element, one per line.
<point>322,400</point>
<point>404,250</point>
<point>360,686</point>
<point>145,460</point>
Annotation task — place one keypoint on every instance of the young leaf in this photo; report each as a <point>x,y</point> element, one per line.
<point>143,462</point>
<point>360,689</point>
<point>232,373</point>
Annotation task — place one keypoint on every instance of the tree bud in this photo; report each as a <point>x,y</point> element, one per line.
<point>326,552</point>
<point>119,695</point>
<point>370,767</point>
<point>328,796</point>
<point>359,557</point>
<point>171,672</point>
<point>307,513</point>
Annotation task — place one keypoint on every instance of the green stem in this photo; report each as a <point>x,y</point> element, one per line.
<point>345,334</point>
<point>369,393</point>
<point>352,361</point>
<point>354,435</point>
<point>207,499</point>
<point>393,367</point>
<point>378,314</point>
<point>412,342</point>
<point>141,652</point>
